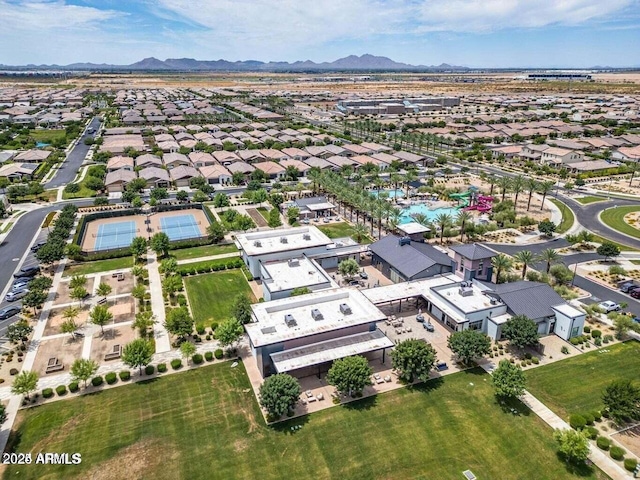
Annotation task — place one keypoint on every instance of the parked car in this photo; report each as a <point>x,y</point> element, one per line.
<point>27,272</point>
<point>37,246</point>
<point>635,293</point>
<point>628,286</point>
<point>428,327</point>
<point>17,295</point>
<point>354,283</point>
<point>9,312</point>
<point>420,318</point>
<point>364,275</point>
<point>20,284</point>
<point>609,306</point>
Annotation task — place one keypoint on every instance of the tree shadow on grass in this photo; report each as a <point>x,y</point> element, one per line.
<point>579,469</point>
<point>512,406</point>
<point>290,426</point>
<point>148,381</point>
<point>15,438</point>
<point>428,386</point>
<point>362,404</point>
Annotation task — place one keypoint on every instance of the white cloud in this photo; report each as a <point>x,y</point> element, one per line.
<point>37,16</point>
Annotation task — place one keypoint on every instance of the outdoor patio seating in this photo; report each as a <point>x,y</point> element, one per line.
<point>115,353</point>
<point>54,365</point>
<point>387,378</point>
<point>398,331</point>
<point>320,396</point>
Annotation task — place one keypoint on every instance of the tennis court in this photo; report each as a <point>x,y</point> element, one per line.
<point>180,227</point>
<point>115,235</point>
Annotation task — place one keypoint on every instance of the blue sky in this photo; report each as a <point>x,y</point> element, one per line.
<point>474,33</point>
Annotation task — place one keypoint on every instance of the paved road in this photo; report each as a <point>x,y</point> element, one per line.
<point>68,170</point>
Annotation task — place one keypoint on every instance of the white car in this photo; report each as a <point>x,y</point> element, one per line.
<point>609,306</point>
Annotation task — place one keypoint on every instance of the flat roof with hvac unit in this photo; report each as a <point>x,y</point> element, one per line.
<point>261,243</point>
<point>305,315</point>
<point>293,273</point>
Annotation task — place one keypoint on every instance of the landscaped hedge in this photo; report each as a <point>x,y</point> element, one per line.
<point>577,421</point>
<point>111,378</point>
<point>47,392</point>
<point>588,417</point>
<point>73,387</point>
<point>208,356</point>
<point>162,367</point>
<point>61,390</point>
<point>149,369</point>
<point>176,363</point>
<point>603,442</point>
<point>210,266</point>
<point>196,359</point>
<point>630,464</point>
<point>97,381</point>
<point>596,333</point>
<point>125,375</point>
<point>617,453</point>
<point>218,353</point>
<point>591,432</point>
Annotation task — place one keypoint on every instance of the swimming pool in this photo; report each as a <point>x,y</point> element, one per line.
<point>424,209</point>
<point>391,193</point>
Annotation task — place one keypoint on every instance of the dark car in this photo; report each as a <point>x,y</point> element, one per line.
<point>37,246</point>
<point>9,312</point>
<point>627,287</point>
<point>428,327</point>
<point>635,293</point>
<point>27,272</point>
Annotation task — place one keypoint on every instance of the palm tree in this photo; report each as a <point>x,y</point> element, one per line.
<point>505,184</point>
<point>492,180</point>
<point>394,219</point>
<point>314,174</point>
<point>462,219</point>
<point>531,185</point>
<point>526,258</point>
<point>421,218</point>
<point>408,178</point>
<point>550,256</point>
<point>517,185</point>
<point>443,221</point>
<point>501,263</point>
<point>395,179</point>
<point>544,188</point>
<point>359,231</point>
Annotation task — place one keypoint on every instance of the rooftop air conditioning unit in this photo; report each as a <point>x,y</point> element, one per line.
<point>306,236</point>
<point>257,243</point>
<point>465,291</point>
<point>493,301</point>
<point>345,309</point>
<point>289,320</point>
<point>294,262</point>
<point>316,314</point>
<point>284,240</point>
<point>404,241</point>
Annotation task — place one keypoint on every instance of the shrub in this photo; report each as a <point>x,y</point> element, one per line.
<point>607,338</point>
<point>208,337</point>
<point>125,375</point>
<point>577,421</point>
<point>605,414</point>
<point>162,367</point>
<point>73,387</point>
<point>13,371</point>
<point>588,418</point>
<point>218,353</point>
<point>597,342</point>
<point>47,392</point>
<point>630,464</point>
<point>527,356</point>
<point>96,381</point>
<point>111,378</point>
<point>208,356</point>
<point>617,453</point>
<point>597,416</point>
<point>586,329</point>
<point>603,443</point>
<point>196,359</point>
<point>574,341</point>
<point>535,360</point>
<point>592,432</point>
<point>214,325</point>
<point>61,390</point>
<point>200,330</point>
<point>564,350</point>
<point>596,333</point>
<point>149,370</point>
<point>176,363</point>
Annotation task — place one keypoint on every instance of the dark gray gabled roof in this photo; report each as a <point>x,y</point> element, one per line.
<point>531,299</point>
<point>474,251</point>
<point>409,259</point>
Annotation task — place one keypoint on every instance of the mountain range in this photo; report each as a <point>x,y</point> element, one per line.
<point>364,62</point>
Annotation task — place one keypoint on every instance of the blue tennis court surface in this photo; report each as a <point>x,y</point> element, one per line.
<point>180,227</point>
<point>115,235</point>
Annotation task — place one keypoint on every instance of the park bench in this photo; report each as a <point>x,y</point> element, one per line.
<point>115,353</point>
<point>441,366</point>
<point>102,301</point>
<point>120,277</point>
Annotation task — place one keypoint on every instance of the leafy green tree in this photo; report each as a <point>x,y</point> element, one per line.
<point>274,218</point>
<point>72,250</point>
<point>241,309</point>
<point>172,284</point>
<point>178,322</point>
<point>19,331</point>
<point>139,291</point>
<point>51,252</point>
<point>521,331</point>
<point>300,291</point>
<point>348,268</point>
<point>608,250</point>
<point>159,193</point>
<point>508,379</point>
<point>187,349</point>
<point>229,332</point>
<point>199,196</point>
<point>143,322</point>
<point>160,244</point>
<point>101,316</point>
<point>24,383</point>
<point>547,227</point>
<point>77,281</point>
<point>279,394</point>
<point>137,353</point>
<point>82,369</point>
<point>69,326</point>
<point>168,266</point>
<point>561,274</point>
<point>182,196</point>
<point>621,399</point>
<point>221,200</point>
<point>572,444</point>
<point>104,289</point>
<point>79,294</point>
<point>34,299</point>
<point>292,214</point>
<point>413,358</point>
<point>469,344</point>
<point>136,185</point>
<point>260,196</point>
<point>623,324</point>
<point>216,231</point>
<point>138,247</point>
<point>40,283</point>
<point>350,374</point>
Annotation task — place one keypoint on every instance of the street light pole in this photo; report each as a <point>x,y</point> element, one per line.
<point>575,268</point>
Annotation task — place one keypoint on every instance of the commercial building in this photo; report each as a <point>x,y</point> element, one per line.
<point>281,277</point>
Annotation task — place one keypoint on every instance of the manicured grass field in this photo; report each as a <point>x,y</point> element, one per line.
<point>47,135</point>
<point>211,295</point>
<point>589,199</point>
<point>623,248</point>
<point>203,251</point>
<point>341,230</point>
<point>567,216</point>
<point>614,218</point>
<point>576,384</point>
<point>264,212</point>
<point>205,423</point>
<point>99,266</point>
<point>84,192</point>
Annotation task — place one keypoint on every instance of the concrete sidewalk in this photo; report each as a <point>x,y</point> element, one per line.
<point>210,257</point>
<point>163,342</point>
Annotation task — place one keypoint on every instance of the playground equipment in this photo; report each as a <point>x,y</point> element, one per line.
<point>483,204</point>
<point>463,198</point>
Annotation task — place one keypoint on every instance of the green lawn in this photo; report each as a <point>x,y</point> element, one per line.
<point>99,266</point>
<point>205,423</point>
<point>341,230</point>
<point>623,248</point>
<point>264,212</point>
<point>203,251</point>
<point>84,192</point>
<point>635,262</point>
<point>614,218</point>
<point>589,199</point>
<point>47,135</point>
<point>211,295</point>
<point>567,216</point>
<point>576,384</point>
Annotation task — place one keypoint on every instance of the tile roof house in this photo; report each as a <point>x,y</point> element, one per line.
<point>173,160</point>
<point>271,169</point>
<point>32,156</point>
<point>215,174</point>
<point>118,162</point>
<point>117,180</point>
<point>155,176</point>
<point>182,175</point>
<point>148,160</point>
